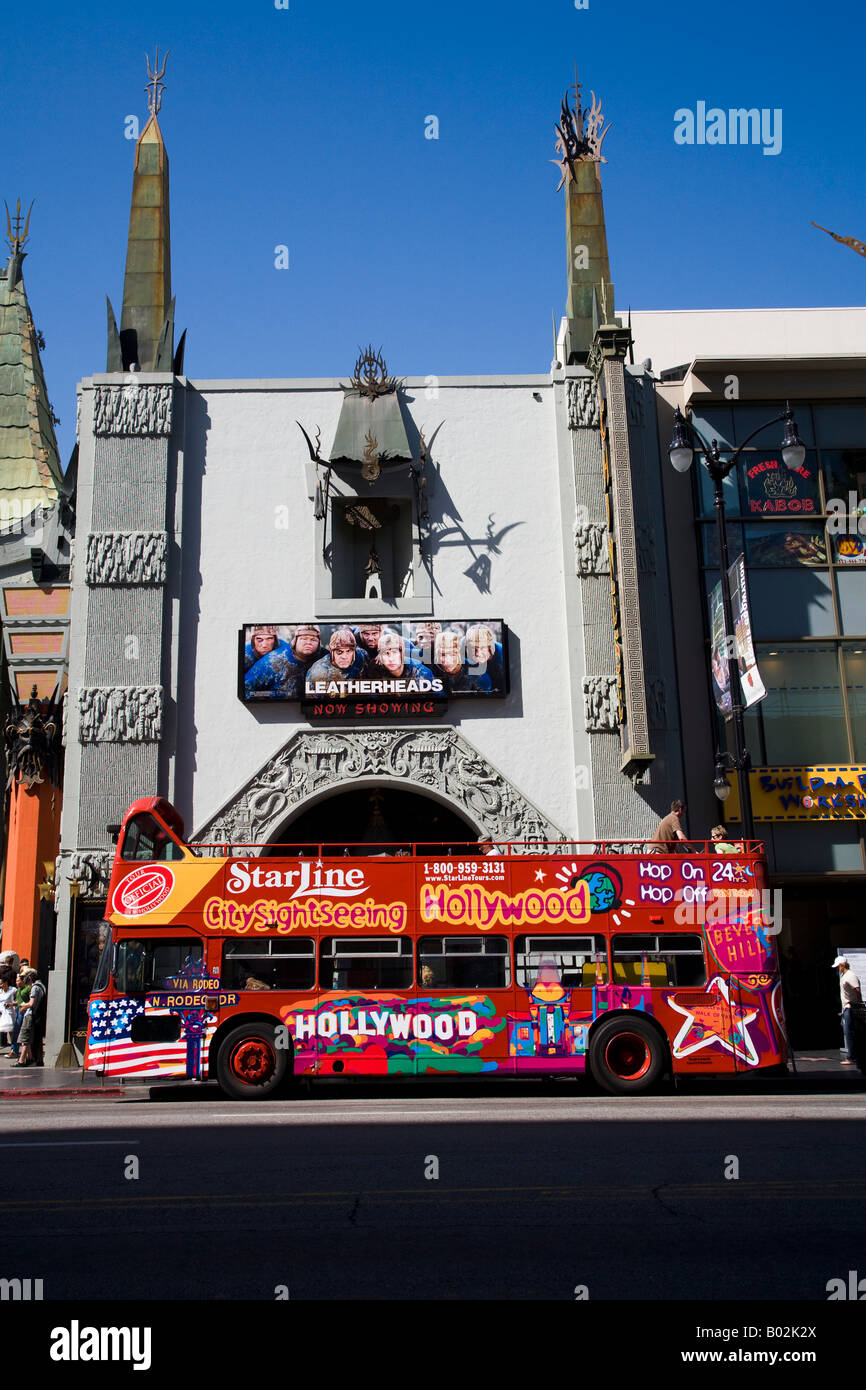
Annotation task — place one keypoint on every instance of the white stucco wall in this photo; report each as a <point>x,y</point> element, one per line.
<point>673,337</point>
<point>493,457</point>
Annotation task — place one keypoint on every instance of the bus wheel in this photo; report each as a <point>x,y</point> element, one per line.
<point>250,1066</point>
<point>626,1056</point>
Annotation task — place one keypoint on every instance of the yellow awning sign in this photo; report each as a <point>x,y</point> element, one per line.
<point>827,792</point>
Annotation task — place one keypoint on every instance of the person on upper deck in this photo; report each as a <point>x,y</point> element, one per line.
<point>668,830</point>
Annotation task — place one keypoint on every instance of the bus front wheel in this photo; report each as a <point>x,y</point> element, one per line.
<point>626,1056</point>
<point>250,1066</point>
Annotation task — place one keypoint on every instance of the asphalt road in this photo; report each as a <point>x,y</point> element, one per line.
<point>538,1192</point>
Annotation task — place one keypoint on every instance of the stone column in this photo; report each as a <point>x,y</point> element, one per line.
<point>118,668</point>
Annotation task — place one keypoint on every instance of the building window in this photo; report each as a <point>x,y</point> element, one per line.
<point>807,578</point>
<point>854,659</point>
<point>803,714</point>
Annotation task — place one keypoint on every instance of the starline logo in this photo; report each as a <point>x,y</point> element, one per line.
<point>307,879</point>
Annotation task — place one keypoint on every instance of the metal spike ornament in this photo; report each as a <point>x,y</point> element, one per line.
<point>155,86</point>
<point>579,133</point>
<point>15,238</point>
<point>370,377</point>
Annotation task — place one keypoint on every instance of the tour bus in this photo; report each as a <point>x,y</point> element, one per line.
<point>253,965</point>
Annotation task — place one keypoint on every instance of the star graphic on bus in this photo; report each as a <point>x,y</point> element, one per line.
<point>715,1020</point>
<point>540,875</point>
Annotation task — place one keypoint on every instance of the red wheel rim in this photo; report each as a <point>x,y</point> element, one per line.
<point>252,1061</point>
<point>628,1056</point>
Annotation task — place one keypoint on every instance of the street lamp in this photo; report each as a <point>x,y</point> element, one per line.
<point>682,452</point>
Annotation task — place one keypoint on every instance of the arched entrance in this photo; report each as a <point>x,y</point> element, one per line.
<point>436,766</point>
<point>373,820</point>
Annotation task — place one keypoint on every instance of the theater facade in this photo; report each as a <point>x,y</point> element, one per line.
<point>363,610</point>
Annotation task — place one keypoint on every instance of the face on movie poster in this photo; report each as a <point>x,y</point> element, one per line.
<point>429,659</point>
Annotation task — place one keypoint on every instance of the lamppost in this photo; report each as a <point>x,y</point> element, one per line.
<point>682,452</point>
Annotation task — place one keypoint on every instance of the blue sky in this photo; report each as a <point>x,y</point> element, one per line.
<point>305,127</point>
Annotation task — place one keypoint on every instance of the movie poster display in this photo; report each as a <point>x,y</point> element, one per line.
<point>362,659</point>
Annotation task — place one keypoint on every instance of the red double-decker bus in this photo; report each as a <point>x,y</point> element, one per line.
<point>235,964</point>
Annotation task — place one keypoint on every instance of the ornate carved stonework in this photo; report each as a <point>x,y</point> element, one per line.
<point>637,726</point>
<point>132,409</point>
<point>634,400</point>
<point>600,704</point>
<point>92,869</point>
<point>126,557</point>
<point>32,737</point>
<point>120,713</point>
<point>646,548</point>
<point>590,548</point>
<point>582,404</point>
<point>440,760</point>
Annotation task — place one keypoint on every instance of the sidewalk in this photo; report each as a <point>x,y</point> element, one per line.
<point>20,1082</point>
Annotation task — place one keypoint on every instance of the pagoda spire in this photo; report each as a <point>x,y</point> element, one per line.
<point>30,471</point>
<point>145,341</point>
<point>580,134</point>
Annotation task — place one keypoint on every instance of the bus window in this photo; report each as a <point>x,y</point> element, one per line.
<point>365,962</point>
<point>659,960</point>
<point>143,965</point>
<point>145,840</point>
<point>274,963</point>
<point>581,960</point>
<point>464,962</point>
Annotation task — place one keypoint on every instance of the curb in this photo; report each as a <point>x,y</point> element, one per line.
<point>72,1092</point>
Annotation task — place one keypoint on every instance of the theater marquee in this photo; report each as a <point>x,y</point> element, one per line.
<point>358,667</point>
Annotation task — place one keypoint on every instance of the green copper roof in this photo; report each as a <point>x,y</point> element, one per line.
<point>30,472</point>
<point>370,427</point>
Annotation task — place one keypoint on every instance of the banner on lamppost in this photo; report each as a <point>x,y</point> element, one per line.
<point>740,645</point>
<point>753,687</point>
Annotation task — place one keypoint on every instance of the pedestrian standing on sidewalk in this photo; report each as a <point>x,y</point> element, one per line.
<point>849,989</point>
<point>30,1038</point>
<point>22,994</point>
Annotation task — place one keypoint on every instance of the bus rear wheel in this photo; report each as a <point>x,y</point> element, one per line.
<point>626,1056</point>
<point>250,1066</point>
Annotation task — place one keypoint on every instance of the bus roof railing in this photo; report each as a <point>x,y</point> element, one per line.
<point>473,851</point>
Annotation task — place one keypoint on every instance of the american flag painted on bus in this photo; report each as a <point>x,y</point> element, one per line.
<point>110,1048</point>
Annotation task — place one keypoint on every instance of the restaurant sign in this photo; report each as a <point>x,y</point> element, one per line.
<point>828,792</point>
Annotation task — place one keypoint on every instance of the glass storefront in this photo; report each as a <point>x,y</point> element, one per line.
<point>805,548</point>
